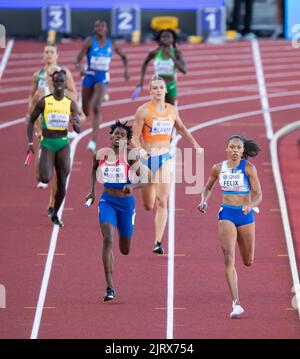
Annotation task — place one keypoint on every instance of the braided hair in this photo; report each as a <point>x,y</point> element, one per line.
<point>251,148</point>
<point>123,125</point>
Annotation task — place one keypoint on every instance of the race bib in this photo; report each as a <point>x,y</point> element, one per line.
<point>164,67</point>
<point>100,63</point>
<point>162,127</point>
<point>231,181</point>
<point>58,120</point>
<point>114,174</point>
<point>42,84</point>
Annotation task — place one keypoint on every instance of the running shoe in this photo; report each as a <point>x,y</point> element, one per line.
<point>158,249</point>
<point>92,146</point>
<point>56,220</point>
<point>237,310</point>
<point>109,294</point>
<point>42,185</point>
<point>50,211</point>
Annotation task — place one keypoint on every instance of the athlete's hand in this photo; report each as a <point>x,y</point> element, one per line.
<point>127,189</point>
<point>142,153</point>
<point>30,148</point>
<point>81,70</point>
<point>202,206</point>
<point>91,196</point>
<point>246,209</point>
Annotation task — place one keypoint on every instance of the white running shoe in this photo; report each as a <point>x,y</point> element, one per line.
<point>92,146</point>
<point>237,310</point>
<point>42,185</point>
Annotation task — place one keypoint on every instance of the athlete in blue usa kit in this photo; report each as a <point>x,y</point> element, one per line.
<point>98,50</point>
<point>242,194</point>
<point>112,167</point>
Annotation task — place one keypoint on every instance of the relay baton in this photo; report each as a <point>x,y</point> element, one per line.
<point>28,158</point>
<point>136,92</point>
<point>88,202</point>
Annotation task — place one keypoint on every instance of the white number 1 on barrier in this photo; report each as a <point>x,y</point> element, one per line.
<point>211,19</point>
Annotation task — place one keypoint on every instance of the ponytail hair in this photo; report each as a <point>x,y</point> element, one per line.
<point>251,148</point>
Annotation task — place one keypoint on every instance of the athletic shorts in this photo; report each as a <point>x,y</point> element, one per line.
<point>155,162</point>
<point>119,211</point>
<point>171,89</point>
<point>54,144</point>
<point>91,78</point>
<point>235,215</point>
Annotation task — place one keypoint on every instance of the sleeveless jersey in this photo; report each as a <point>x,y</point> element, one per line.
<point>98,58</point>
<point>158,127</point>
<point>115,174</point>
<point>56,114</point>
<point>164,66</point>
<point>234,180</point>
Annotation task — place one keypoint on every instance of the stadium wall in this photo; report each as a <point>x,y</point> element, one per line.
<point>28,23</point>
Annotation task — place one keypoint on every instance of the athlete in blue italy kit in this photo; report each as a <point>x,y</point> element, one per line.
<point>116,205</point>
<point>241,195</point>
<point>98,50</point>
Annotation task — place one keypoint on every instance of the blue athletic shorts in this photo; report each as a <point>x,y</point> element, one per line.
<point>119,211</point>
<point>235,215</point>
<point>155,162</point>
<point>91,78</point>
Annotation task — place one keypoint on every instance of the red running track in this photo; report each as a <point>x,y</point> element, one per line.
<point>221,82</point>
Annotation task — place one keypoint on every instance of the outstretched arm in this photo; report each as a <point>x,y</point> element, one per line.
<point>92,193</point>
<point>31,95</point>
<point>182,130</point>
<point>74,117</point>
<point>149,57</point>
<point>123,56</point>
<point>179,61</point>
<point>255,188</point>
<point>207,191</point>
<point>137,126</point>
<point>85,48</point>
<point>39,108</point>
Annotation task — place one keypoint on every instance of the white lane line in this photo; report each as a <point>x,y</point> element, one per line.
<point>13,102</point>
<point>197,105</point>
<point>12,123</point>
<point>262,89</point>
<point>284,131</point>
<point>5,57</point>
<point>182,90</point>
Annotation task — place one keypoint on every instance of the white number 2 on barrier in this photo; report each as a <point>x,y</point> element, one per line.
<point>125,18</point>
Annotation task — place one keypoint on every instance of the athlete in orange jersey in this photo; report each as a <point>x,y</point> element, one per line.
<point>152,131</point>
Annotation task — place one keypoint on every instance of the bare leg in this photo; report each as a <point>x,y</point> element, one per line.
<point>246,242</point>
<point>161,215</point>
<point>46,164</point>
<point>96,104</point>
<point>228,237</point>
<point>62,166</point>
<point>53,190</point>
<point>107,230</point>
<point>124,245</point>
<point>87,93</point>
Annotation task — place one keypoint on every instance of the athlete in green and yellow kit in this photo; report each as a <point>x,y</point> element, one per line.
<point>167,59</point>
<point>57,110</point>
